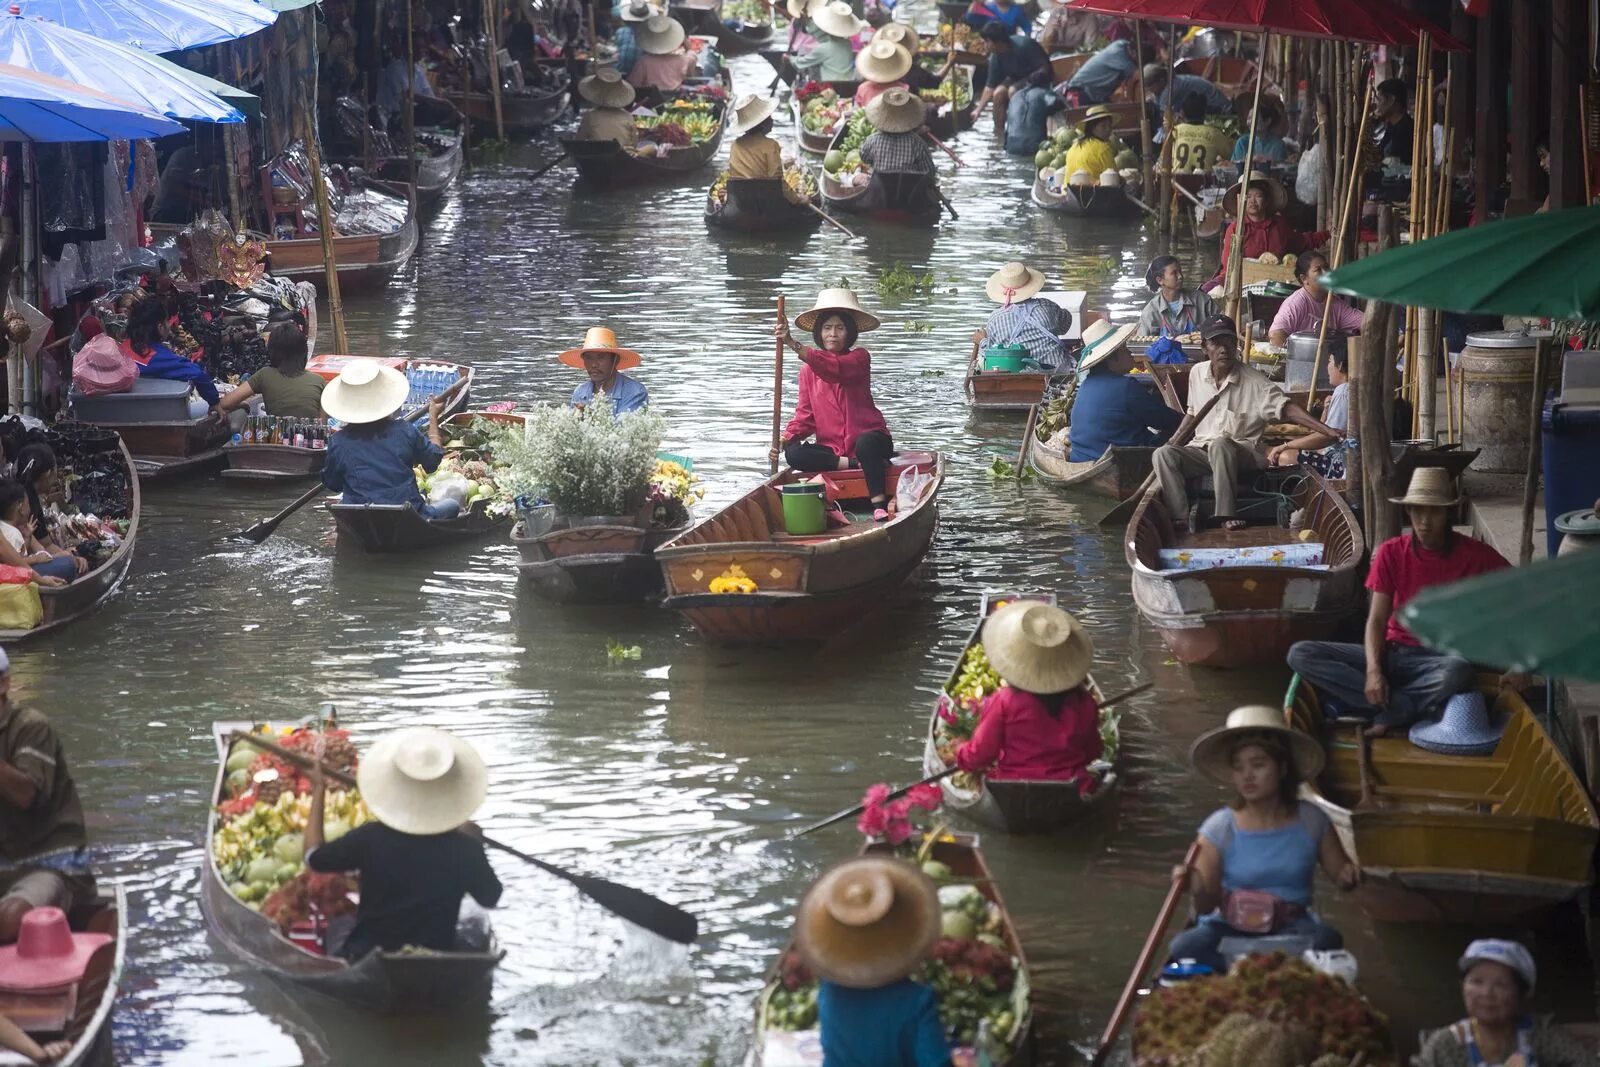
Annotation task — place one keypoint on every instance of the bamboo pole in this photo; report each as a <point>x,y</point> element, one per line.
<point>1233,275</point>
<point>1146,145</point>
<point>330,263</point>
<point>1168,223</point>
<point>408,128</point>
<point>1336,253</point>
<point>1422,185</point>
<point>491,31</point>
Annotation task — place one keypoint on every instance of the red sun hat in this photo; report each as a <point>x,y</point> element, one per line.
<point>47,953</point>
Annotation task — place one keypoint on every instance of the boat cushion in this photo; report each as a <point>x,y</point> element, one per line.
<point>1306,554</point>
<point>150,400</point>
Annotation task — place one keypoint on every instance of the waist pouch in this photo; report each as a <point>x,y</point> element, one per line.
<point>1251,911</point>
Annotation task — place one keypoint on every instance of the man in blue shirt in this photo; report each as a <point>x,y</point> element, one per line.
<point>601,359</point>
<point>1015,63</point>
<point>1155,85</point>
<point>1111,408</point>
<point>371,458</point>
<point>1108,68</point>
<point>1027,119</point>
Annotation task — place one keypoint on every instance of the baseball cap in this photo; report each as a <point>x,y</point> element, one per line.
<point>1506,953</point>
<point>1218,326</point>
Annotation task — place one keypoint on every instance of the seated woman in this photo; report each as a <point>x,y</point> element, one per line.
<point>1025,318</point>
<point>755,155</point>
<point>1111,407</point>
<point>1322,453</point>
<point>1303,310</point>
<point>1264,227</point>
<point>1173,310</point>
<point>18,547</point>
<point>834,403</point>
<point>609,118</point>
<point>1497,980</point>
<point>664,64</point>
<point>41,479</point>
<point>371,459</point>
<point>1043,723</point>
<point>287,390</point>
<point>1270,146</point>
<point>882,65</point>
<point>147,344</point>
<point>1259,855</point>
<point>1092,152</point>
<point>832,58</point>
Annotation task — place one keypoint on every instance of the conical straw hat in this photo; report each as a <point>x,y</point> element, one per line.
<point>868,922</point>
<point>1037,647</point>
<point>843,301</point>
<point>422,780</point>
<point>883,62</point>
<point>659,35</point>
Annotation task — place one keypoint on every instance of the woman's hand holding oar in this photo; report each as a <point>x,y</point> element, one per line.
<point>634,905</point>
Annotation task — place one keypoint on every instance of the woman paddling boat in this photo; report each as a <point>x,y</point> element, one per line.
<point>371,458</point>
<point>1025,319</point>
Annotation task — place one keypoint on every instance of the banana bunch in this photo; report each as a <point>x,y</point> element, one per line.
<point>699,126</point>
<point>976,678</point>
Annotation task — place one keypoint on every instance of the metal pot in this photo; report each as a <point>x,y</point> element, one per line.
<point>1580,530</point>
<point>1305,358</point>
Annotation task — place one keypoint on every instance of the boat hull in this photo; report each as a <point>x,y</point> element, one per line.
<point>1092,201</point>
<point>365,261</point>
<point>605,163</point>
<point>521,114</point>
<point>1005,391</point>
<point>593,564</point>
<point>399,528</point>
<point>1118,474</point>
<point>760,206</point>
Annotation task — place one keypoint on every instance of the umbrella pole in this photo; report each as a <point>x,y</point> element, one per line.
<point>491,32</point>
<point>1530,488</point>
<point>1148,171</point>
<point>330,263</point>
<point>1234,274</point>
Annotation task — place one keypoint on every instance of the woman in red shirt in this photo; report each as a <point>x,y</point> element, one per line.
<point>1043,723</point>
<point>835,402</point>
<point>1264,227</point>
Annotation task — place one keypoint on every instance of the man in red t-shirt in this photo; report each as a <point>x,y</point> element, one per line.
<point>1392,677</point>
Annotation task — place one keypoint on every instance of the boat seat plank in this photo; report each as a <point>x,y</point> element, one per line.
<point>1249,537</point>
<point>831,534</point>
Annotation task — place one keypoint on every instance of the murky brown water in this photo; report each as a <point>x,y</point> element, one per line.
<point>681,772</point>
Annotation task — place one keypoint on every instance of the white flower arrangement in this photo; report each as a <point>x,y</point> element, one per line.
<point>585,461</point>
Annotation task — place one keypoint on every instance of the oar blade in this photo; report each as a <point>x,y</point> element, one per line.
<point>640,908</point>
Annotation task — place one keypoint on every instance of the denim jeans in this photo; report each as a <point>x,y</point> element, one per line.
<point>1201,941</point>
<point>62,567</point>
<point>1420,680</point>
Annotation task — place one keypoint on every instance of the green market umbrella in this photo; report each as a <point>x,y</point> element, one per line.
<point>1542,618</point>
<point>1538,265</point>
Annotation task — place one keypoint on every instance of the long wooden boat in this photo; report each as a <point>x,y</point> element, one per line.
<point>1118,474</point>
<point>818,143</point>
<point>384,982</point>
<point>267,464</point>
<point>79,1014</point>
<point>162,450</point>
<point>523,114</point>
<point>436,170</point>
<point>704,17</point>
<point>947,120</point>
<point>399,527</point>
<point>1020,806</point>
<point>1481,840</point>
<point>961,853</point>
<point>607,163</point>
<point>365,260</point>
<point>1085,201</point>
<point>593,564</point>
<point>911,199</point>
<point>1246,612</point>
<point>759,205</point>
<point>808,587</point>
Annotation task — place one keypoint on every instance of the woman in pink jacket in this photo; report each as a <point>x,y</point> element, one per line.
<point>835,404</point>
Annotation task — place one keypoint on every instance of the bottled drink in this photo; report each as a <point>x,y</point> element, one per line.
<point>249,436</point>
<point>319,435</point>
<point>276,435</point>
<point>299,434</point>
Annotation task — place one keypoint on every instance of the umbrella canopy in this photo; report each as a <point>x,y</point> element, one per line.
<point>123,71</point>
<point>1376,21</point>
<point>281,6</point>
<point>221,90</point>
<point>1538,619</point>
<point>156,25</point>
<point>34,107</point>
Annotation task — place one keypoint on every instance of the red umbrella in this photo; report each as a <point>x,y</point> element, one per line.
<point>1374,21</point>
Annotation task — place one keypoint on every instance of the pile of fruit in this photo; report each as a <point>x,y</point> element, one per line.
<point>799,186</point>
<point>1051,157</point>
<point>1176,1024</point>
<point>674,489</point>
<point>821,111</point>
<point>843,162</point>
<point>958,88</point>
<point>961,36</point>
<point>468,472</point>
<point>681,124</point>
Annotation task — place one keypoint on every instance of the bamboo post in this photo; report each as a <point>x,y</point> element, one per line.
<point>1233,273</point>
<point>1422,189</point>
<point>1346,209</point>
<point>330,264</point>
<point>1145,143</point>
<point>408,131</point>
<point>491,31</point>
<point>1168,226</point>
<point>777,393</point>
<point>1530,488</point>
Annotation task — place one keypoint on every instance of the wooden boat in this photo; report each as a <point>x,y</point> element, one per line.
<point>385,982</point>
<point>399,528</point>
<point>812,142</point>
<point>704,18</point>
<point>961,853</point>
<point>608,163</point>
<point>1018,807</point>
<point>911,199</point>
<point>778,58</point>
<point>1085,201</point>
<point>593,564</point>
<point>266,464</point>
<point>81,1013</point>
<point>365,260</point>
<point>1481,840</point>
<point>759,205</point>
<point>1247,613</point>
<point>1118,474</point>
<point>808,587</point>
<point>152,421</point>
<point>522,113</point>
<point>946,121</point>
<point>436,170</point>
<point>995,390</point>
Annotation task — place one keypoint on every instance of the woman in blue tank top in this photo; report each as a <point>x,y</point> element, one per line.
<point>1259,855</point>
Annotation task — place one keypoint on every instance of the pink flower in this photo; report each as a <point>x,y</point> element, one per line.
<point>874,822</point>
<point>925,797</point>
<point>875,795</point>
<point>899,830</point>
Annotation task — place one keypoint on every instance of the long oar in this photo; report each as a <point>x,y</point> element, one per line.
<point>945,200</point>
<point>835,223</point>
<point>1027,434</point>
<point>947,150</point>
<point>947,772</point>
<point>777,395</point>
<point>1141,967</point>
<point>547,168</point>
<point>634,905</point>
<point>265,528</point>
<point>1124,509</point>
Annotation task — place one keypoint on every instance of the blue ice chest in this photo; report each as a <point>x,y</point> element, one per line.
<point>1571,463</point>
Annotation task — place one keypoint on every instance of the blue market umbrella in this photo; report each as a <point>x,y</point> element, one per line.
<point>120,70</point>
<point>34,107</point>
<point>156,25</point>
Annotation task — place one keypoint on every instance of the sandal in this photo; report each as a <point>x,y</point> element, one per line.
<point>880,515</point>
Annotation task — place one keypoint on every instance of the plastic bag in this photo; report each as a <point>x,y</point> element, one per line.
<point>10,575</point>
<point>20,607</point>
<point>913,485</point>
<point>453,487</point>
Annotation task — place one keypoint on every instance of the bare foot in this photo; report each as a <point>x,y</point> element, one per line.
<point>1376,730</point>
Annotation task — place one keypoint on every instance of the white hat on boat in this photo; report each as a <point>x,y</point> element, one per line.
<point>639,11</point>
<point>837,19</point>
<point>606,88</point>
<point>899,33</point>
<point>750,111</point>
<point>660,35</point>
<point>1013,283</point>
<point>1463,729</point>
<point>840,300</point>
<point>883,61</point>
<point>1212,752</point>
<point>1100,341</point>
<point>422,780</point>
<point>896,110</point>
<point>1038,647</point>
<point>365,391</point>
<point>1510,954</point>
<point>868,921</point>
<point>1430,487</point>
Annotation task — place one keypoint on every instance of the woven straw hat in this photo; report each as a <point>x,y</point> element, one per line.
<point>1013,283</point>
<point>1277,196</point>
<point>837,19</point>
<point>1098,113</point>
<point>802,9</point>
<point>1100,342</point>
<point>883,61</point>
<point>660,35</point>
<point>639,11</point>
<point>1430,487</point>
<point>842,301</point>
<point>1037,647</point>
<point>750,111</point>
<point>606,88</point>
<point>365,391</point>
<point>896,110</point>
<point>868,922</point>
<point>601,339</point>
<point>1463,729</point>
<point>1212,751</point>
<point>899,33</point>
<point>48,955</point>
<point>422,780</point>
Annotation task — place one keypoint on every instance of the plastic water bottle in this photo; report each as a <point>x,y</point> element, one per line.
<point>1182,971</point>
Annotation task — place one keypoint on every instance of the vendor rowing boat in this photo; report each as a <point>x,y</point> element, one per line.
<point>682,138</point>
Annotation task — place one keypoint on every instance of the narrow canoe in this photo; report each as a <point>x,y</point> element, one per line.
<point>523,114</point>
<point>808,587</point>
<point>961,853</point>
<point>435,172</point>
<point>383,982</point>
<point>1247,613</point>
<point>912,199</point>
<point>1085,201</point>
<point>759,205</point>
<point>84,595</point>
<point>1482,840</point>
<point>814,142</point>
<point>81,1013</point>
<point>607,163</point>
<point>1021,806</point>
<point>705,19</point>
<point>946,120</point>
<point>1118,474</point>
<point>365,261</point>
<point>593,564</point>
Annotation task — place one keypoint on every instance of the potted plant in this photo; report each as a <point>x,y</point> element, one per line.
<point>593,466</point>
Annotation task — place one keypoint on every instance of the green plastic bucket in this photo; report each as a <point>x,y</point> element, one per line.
<point>805,508</point>
<point>1006,358</point>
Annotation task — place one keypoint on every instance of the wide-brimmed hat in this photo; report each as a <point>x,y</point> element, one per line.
<point>750,111</point>
<point>101,366</point>
<point>1038,647</point>
<point>365,391</point>
<point>896,110</point>
<point>1211,753</point>
<point>842,301</point>
<point>837,19</point>
<point>1507,954</point>
<point>1158,267</point>
<point>867,922</point>
<point>47,954</point>
<point>1101,341</point>
<point>883,61</point>
<point>1430,487</point>
<point>606,88</point>
<point>659,35</point>
<point>1462,729</point>
<point>1277,196</point>
<point>422,780</point>
<point>601,339</point>
<point>900,33</point>
<point>639,11</point>
<point>800,9</point>
<point>1096,114</point>
<point>1013,283</point>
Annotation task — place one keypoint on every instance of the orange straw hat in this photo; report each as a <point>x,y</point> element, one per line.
<point>601,339</point>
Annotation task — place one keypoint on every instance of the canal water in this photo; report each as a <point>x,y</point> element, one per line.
<point>680,772</point>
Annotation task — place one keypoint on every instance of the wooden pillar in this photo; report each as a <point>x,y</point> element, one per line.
<point>1489,157</point>
<point>1524,107</point>
<point>1463,89</point>
<point>1567,53</point>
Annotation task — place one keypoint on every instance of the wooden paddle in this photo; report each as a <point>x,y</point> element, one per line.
<point>1124,509</point>
<point>1022,453</point>
<point>835,223</point>
<point>1141,967</point>
<point>945,200</point>
<point>634,905</point>
<point>547,168</point>
<point>265,528</point>
<point>947,150</point>
<point>777,394</point>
